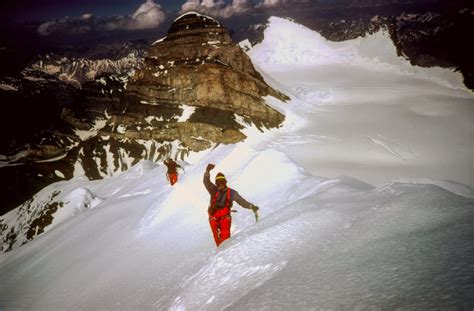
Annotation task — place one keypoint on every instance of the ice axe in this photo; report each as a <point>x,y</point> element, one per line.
<point>255,211</point>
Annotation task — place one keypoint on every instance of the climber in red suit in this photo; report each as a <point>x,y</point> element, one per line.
<point>219,209</point>
<point>172,172</point>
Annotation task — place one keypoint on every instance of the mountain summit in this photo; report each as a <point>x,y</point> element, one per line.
<point>197,66</point>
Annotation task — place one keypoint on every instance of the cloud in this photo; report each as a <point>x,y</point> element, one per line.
<point>265,4</point>
<point>211,3</point>
<point>239,7</point>
<point>192,5</point>
<point>87,16</point>
<point>66,25</point>
<point>47,28</point>
<point>149,15</point>
<point>270,3</point>
<point>217,8</point>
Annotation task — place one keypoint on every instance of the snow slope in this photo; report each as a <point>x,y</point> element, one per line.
<point>322,242</point>
<point>368,113</point>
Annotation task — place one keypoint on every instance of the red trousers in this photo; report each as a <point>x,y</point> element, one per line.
<point>173,178</point>
<point>220,223</point>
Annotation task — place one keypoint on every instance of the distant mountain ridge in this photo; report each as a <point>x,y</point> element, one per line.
<point>76,71</point>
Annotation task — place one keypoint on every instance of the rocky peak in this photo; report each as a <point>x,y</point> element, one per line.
<point>198,65</point>
<point>196,23</point>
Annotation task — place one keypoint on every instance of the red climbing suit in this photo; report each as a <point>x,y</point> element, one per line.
<point>173,178</point>
<point>220,218</point>
<point>220,205</point>
<point>172,173</point>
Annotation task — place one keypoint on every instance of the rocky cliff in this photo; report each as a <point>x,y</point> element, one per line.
<point>198,65</point>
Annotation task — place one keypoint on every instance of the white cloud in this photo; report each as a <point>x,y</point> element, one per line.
<point>270,3</point>
<point>47,28</point>
<point>148,15</point>
<point>87,16</point>
<point>217,8</point>
<point>191,5</point>
<point>68,26</point>
<point>280,3</point>
<point>208,3</point>
<point>239,7</point>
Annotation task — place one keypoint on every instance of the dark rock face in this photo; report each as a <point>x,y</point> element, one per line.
<point>34,216</point>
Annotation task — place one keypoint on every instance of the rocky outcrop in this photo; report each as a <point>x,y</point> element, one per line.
<point>198,65</point>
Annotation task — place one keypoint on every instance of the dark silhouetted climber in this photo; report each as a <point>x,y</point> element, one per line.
<point>219,210</point>
<point>172,173</point>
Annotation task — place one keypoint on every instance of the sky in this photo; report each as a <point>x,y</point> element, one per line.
<point>358,210</point>
<point>29,28</point>
<point>46,25</point>
<point>55,9</point>
<point>88,15</point>
<point>44,10</point>
<point>51,9</point>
